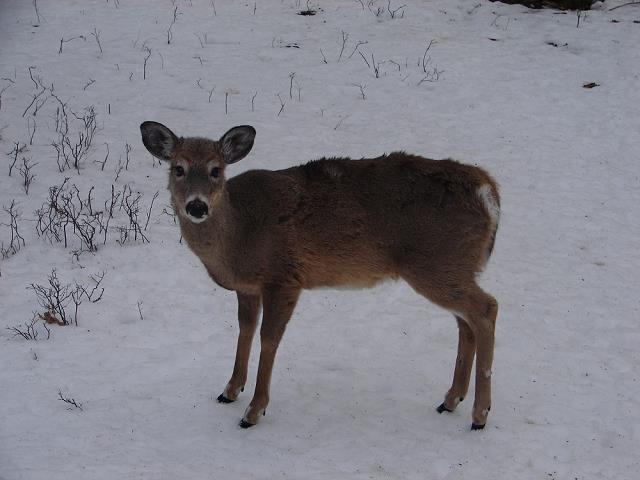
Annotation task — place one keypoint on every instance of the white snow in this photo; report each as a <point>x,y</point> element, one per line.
<point>359,373</point>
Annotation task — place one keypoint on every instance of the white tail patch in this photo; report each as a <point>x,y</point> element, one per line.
<point>490,204</point>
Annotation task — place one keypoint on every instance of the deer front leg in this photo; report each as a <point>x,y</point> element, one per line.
<point>278,307</point>
<point>248,311</point>
<point>462,372</point>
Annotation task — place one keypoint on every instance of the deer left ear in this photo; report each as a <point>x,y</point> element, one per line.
<point>237,143</point>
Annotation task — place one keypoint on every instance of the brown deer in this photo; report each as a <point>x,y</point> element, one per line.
<point>335,222</point>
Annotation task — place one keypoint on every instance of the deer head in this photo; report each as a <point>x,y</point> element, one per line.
<point>196,178</point>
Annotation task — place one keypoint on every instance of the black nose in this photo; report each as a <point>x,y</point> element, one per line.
<point>197,208</point>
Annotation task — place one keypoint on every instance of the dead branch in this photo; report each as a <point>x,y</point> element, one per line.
<point>70,401</point>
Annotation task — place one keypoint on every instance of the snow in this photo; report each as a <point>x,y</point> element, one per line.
<point>359,373</point>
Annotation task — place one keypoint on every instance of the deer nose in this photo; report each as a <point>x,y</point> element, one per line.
<point>197,208</point>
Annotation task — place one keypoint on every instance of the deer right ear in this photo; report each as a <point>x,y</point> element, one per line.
<point>159,140</point>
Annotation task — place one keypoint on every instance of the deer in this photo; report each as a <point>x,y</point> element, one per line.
<point>335,222</point>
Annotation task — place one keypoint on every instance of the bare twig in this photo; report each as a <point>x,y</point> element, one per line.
<point>69,401</point>
<point>31,127</point>
<point>93,296</point>
<point>16,242</point>
<point>70,152</point>
<point>35,98</point>
<point>36,84</point>
<point>345,37</point>
<point>127,151</point>
<point>395,63</point>
<point>361,87</point>
<point>35,6</point>
<point>150,208</point>
<point>365,60</point>
<point>62,41</point>
<point>202,39</point>
<point>282,103</point>
<point>291,77</point>
<point>119,169</point>
<point>624,5</point>
<point>67,213</point>
<point>356,48</point>
<point>17,150</point>
<point>29,331</point>
<point>424,56</point>
<point>106,157</point>
<point>392,13</point>
<point>210,90</point>
<point>146,59</point>
<point>96,35</point>
<point>2,91</point>
<point>173,21</point>
<point>432,76</point>
<point>376,66</point>
<point>340,122</point>
<point>54,298</point>
<point>299,89</point>
<point>324,59</point>
<point>27,176</point>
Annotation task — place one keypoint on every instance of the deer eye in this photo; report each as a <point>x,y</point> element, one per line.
<point>179,171</point>
<point>215,171</point>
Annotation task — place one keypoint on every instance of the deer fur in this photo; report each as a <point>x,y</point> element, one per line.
<point>332,222</point>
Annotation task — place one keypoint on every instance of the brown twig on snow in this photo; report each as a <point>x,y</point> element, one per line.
<point>70,401</point>
<point>624,5</point>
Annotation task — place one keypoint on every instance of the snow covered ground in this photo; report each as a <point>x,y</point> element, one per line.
<point>359,373</point>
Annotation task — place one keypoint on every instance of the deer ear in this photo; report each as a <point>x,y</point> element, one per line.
<point>237,143</point>
<point>159,140</point>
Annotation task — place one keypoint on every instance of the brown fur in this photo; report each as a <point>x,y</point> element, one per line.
<point>334,222</point>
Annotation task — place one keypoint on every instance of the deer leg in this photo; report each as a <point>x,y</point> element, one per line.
<point>479,310</point>
<point>462,372</point>
<point>482,321</point>
<point>278,307</point>
<point>248,311</point>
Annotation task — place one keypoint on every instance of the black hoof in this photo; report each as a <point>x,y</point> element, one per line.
<point>245,424</point>
<point>442,408</point>
<point>475,426</point>
<point>223,399</point>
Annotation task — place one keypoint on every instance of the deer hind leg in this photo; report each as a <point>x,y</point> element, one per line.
<point>462,372</point>
<point>248,312</point>
<point>478,310</point>
<point>482,320</point>
<point>278,308</point>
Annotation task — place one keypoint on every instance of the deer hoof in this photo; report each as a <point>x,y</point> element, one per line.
<point>223,399</point>
<point>442,408</point>
<point>245,424</point>
<point>476,426</point>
